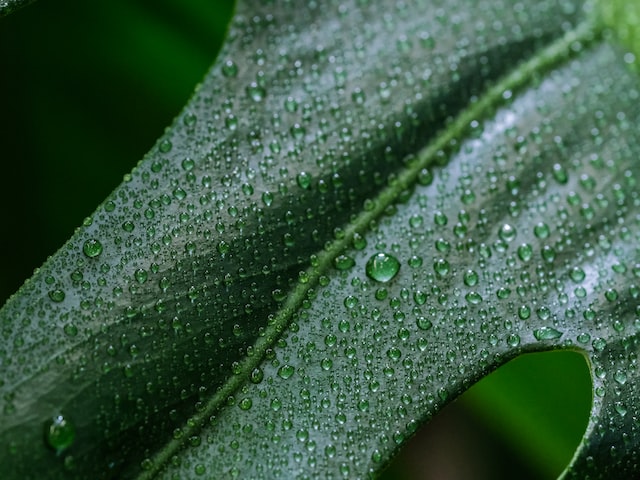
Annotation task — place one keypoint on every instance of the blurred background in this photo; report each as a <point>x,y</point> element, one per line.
<point>86,89</point>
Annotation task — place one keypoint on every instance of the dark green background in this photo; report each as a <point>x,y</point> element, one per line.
<point>87,87</point>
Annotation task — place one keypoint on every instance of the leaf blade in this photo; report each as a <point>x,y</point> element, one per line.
<point>218,285</point>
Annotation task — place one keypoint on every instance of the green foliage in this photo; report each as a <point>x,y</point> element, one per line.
<point>355,218</point>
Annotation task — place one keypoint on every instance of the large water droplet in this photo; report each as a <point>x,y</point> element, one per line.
<point>382,267</point>
<point>546,333</point>
<point>92,248</point>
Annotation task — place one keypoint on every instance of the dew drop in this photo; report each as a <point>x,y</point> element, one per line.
<point>256,375</point>
<point>229,69</point>
<point>141,275</point>
<point>507,232</point>
<point>304,180</point>
<point>513,340</point>
<point>286,371</point>
<point>441,267</point>
<point>577,274</point>
<point>57,295</point>
<point>470,278</point>
<point>423,323</point>
<point>394,353</point>
<point>343,262</point>
<point>256,92</point>
<point>525,252</point>
<point>92,248</point>
<point>165,146</point>
<point>547,333</point>
<point>541,230</point>
<point>560,174</point>
<point>59,433</point>
<point>382,267</point>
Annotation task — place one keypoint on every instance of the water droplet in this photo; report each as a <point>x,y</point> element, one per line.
<point>304,180</point>
<point>57,295</point>
<point>620,376</point>
<point>620,408</point>
<point>59,433</point>
<point>423,323</point>
<point>525,252</point>
<point>229,69</point>
<point>70,329</point>
<point>358,96</point>
<point>188,164</point>
<point>440,219</point>
<point>577,274</point>
<point>141,275</point>
<point>546,333</point>
<point>599,344</point>
<point>513,340</point>
<point>560,174</point>
<point>470,278</point>
<point>524,312</point>
<point>256,92</point>
<point>394,353</point>
<point>541,230</point>
<point>441,267</point>
<point>548,253</point>
<point>425,177</point>
<point>298,131</point>
<point>359,242</point>
<point>256,375</point>
<point>165,146</point>
<point>382,267</point>
<point>474,298</point>
<point>507,232</point>
<point>584,338</point>
<point>343,262</point>
<point>92,248</point>
<point>286,371</point>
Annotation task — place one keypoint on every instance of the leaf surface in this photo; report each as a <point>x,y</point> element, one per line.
<point>358,215</point>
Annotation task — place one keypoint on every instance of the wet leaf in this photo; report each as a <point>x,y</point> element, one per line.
<point>358,215</point>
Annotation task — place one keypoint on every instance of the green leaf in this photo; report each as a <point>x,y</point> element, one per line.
<point>358,215</point>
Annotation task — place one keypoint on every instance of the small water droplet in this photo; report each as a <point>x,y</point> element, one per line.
<point>541,230</point>
<point>165,146</point>
<point>507,232</point>
<point>141,275</point>
<point>525,252</point>
<point>343,262</point>
<point>59,433</point>
<point>229,69</point>
<point>304,180</point>
<point>560,174</point>
<point>470,278</point>
<point>577,274</point>
<point>256,92</point>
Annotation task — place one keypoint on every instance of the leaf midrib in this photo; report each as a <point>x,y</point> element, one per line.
<point>572,43</point>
